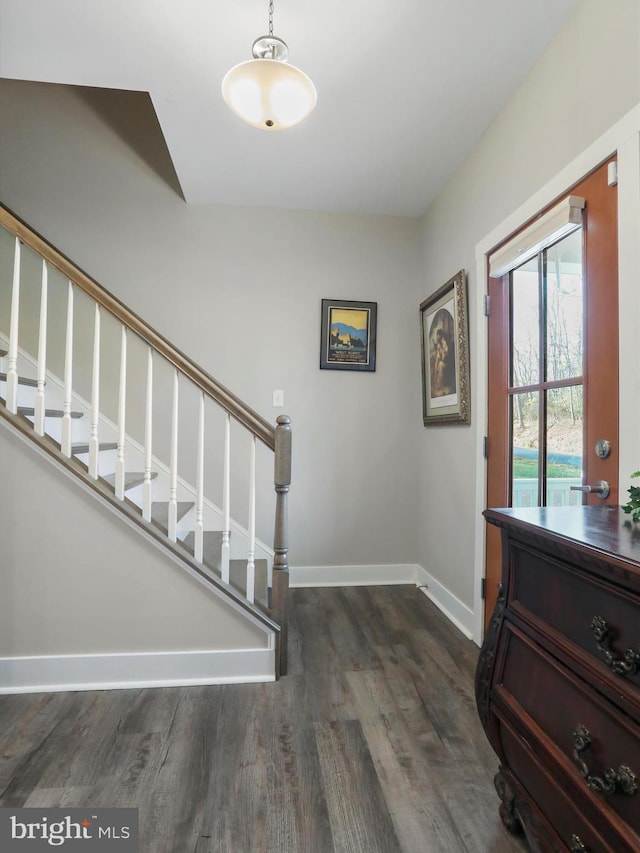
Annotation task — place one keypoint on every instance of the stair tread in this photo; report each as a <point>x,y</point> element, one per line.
<point>29,412</point>
<point>237,568</point>
<point>84,447</point>
<point>160,512</point>
<point>238,578</point>
<point>131,479</point>
<point>22,380</point>
<point>212,543</point>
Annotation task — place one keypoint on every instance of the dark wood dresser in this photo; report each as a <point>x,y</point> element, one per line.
<point>558,678</point>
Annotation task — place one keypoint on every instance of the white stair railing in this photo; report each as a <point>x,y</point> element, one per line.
<point>251,537</point>
<point>198,541</point>
<point>94,437</point>
<point>173,467</point>
<point>183,371</point>
<point>147,493</point>
<point>38,420</point>
<point>68,373</point>
<point>122,416</point>
<point>12,368</point>
<point>226,501</point>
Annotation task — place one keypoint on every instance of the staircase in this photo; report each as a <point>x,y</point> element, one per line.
<point>165,459</point>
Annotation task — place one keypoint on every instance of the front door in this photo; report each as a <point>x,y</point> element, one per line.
<point>553,371</point>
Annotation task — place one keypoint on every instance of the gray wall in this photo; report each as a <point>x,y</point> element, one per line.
<point>587,80</point>
<point>239,291</point>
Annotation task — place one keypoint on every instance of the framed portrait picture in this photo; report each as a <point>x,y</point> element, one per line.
<point>348,335</point>
<point>444,329</point>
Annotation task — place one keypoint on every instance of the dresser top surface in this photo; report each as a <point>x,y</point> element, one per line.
<point>602,529</point>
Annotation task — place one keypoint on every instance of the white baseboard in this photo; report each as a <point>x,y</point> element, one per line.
<point>454,609</point>
<point>52,674</point>
<point>393,573</point>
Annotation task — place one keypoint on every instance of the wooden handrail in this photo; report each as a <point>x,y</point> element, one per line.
<point>238,410</point>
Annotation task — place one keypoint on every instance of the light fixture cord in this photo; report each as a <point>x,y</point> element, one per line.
<point>270,17</point>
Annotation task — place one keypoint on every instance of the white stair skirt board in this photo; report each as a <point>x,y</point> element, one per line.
<point>385,575</point>
<point>53,674</point>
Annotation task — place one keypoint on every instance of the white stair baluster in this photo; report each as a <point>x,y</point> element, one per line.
<point>12,367</point>
<point>226,496</point>
<point>94,441</point>
<point>148,438</point>
<point>199,528</point>
<point>173,473</point>
<point>39,405</point>
<point>122,411</point>
<point>251,527</point>
<point>68,377</point>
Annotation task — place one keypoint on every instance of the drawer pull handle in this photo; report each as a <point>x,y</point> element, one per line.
<point>628,664</point>
<point>576,845</point>
<point>623,778</point>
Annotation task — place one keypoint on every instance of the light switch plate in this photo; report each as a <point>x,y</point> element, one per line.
<point>278,398</point>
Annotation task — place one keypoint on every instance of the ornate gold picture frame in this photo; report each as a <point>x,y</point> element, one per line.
<point>444,330</point>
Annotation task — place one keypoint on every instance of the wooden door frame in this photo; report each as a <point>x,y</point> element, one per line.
<point>596,375</point>
<point>623,139</point>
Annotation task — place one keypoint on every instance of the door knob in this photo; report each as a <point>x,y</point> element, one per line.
<point>601,489</point>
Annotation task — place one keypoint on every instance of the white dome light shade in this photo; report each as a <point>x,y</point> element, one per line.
<point>269,93</point>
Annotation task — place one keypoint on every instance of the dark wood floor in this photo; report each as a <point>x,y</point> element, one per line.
<point>370,744</point>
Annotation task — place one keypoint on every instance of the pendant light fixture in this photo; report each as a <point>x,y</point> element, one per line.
<point>266,91</point>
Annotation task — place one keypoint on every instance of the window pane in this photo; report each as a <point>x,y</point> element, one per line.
<point>525,463</point>
<point>564,445</point>
<point>564,308</point>
<point>525,320</point>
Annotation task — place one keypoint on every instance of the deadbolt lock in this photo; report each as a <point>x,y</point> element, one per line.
<point>603,448</point>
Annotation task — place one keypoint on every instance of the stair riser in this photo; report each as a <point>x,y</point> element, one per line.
<point>26,395</point>
<point>106,461</point>
<point>53,427</point>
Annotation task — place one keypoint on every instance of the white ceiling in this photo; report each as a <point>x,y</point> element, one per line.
<point>405,88</point>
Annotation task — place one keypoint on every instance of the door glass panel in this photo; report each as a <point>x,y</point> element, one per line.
<point>564,308</point>
<point>525,456</point>
<point>525,325</point>
<point>546,309</point>
<point>564,445</point>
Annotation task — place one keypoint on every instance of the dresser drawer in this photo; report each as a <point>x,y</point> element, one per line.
<point>555,802</point>
<point>568,600</point>
<point>562,705</point>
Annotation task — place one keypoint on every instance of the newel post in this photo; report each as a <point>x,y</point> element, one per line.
<point>282,480</point>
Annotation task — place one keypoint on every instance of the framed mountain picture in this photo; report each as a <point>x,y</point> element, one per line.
<point>348,335</point>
